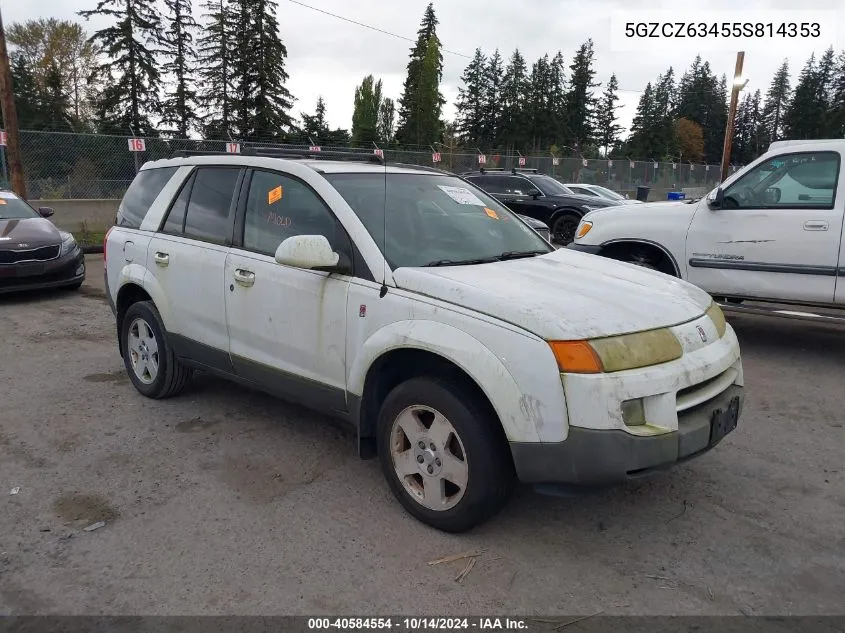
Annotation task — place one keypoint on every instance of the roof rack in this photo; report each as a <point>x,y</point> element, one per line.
<point>433,170</point>
<point>533,170</point>
<point>484,170</point>
<point>286,153</point>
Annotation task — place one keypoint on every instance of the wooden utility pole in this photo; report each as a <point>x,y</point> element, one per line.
<point>10,119</point>
<point>729,128</point>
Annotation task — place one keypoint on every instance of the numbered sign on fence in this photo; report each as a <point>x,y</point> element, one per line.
<point>691,167</point>
<point>3,138</point>
<point>435,157</point>
<point>522,161</point>
<point>555,162</point>
<point>137,145</point>
<point>233,148</point>
<point>482,159</point>
<point>378,152</point>
<point>315,148</point>
<point>674,166</point>
<point>707,168</point>
<point>632,165</point>
<point>584,162</point>
<point>610,163</point>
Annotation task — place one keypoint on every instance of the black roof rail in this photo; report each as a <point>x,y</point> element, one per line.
<point>278,152</point>
<point>434,170</point>
<point>484,170</point>
<point>516,170</point>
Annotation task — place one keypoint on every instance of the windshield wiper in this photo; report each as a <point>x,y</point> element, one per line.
<point>519,254</point>
<point>462,262</point>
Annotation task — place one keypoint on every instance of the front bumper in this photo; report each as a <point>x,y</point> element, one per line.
<point>591,457</point>
<point>592,249</point>
<point>56,273</point>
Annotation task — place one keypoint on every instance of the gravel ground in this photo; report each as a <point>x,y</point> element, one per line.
<point>225,501</point>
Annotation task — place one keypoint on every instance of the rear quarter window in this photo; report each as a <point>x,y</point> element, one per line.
<point>141,194</point>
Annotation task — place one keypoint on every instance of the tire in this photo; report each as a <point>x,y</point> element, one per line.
<point>421,404</point>
<point>564,227</point>
<point>150,362</point>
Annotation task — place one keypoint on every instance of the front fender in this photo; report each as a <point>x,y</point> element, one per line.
<point>516,410</point>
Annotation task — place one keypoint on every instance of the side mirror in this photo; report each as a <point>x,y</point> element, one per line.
<point>45,212</point>
<point>715,199</point>
<point>311,252</point>
<point>534,193</point>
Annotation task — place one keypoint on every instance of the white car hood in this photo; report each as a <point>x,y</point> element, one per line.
<point>564,295</point>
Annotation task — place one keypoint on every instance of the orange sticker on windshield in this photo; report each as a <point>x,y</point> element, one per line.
<point>491,213</point>
<point>274,195</point>
<point>2,201</point>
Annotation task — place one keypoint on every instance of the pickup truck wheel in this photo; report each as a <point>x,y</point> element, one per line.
<point>441,456</point>
<point>150,362</point>
<point>564,227</point>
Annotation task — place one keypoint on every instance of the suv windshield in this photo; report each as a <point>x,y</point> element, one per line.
<point>435,220</point>
<point>13,208</point>
<point>549,186</point>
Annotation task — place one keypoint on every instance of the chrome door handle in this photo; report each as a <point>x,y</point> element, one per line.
<point>244,277</point>
<point>815,225</point>
<point>162,259</point>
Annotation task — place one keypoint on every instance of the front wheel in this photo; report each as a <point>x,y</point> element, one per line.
<point>442,455</point>
<point>564,227</point>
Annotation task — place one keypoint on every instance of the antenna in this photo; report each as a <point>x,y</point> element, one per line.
<point>383,290</point>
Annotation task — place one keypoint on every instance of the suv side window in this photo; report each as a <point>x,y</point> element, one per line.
<point>490,184</point>
<point>789,181</point>
<point>210,216</point>
<point>517,186</point>
<point>141,194</point>
<point>175,222</point>
<point>279,207</point>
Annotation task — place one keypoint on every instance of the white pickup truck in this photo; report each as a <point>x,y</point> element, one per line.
<point>772,232</point>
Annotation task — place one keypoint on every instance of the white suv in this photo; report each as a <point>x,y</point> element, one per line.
<point>466,351</point>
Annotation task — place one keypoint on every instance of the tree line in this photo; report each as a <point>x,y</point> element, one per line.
<point>155,70</point>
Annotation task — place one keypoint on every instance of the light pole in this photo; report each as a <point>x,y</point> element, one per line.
<point>738,85</point>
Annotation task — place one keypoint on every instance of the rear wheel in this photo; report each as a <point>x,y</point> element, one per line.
<point>441,454</point>
<point>150,362</point>
<point>564,227</point>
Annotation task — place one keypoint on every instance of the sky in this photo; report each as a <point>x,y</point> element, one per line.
<point>329,57</point>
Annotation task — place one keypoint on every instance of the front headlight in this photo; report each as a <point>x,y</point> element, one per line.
<point>718,317</point>
<point>617,353</point>
<point>68,243</point>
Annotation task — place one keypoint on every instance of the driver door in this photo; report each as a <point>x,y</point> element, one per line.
<point>776,234</point>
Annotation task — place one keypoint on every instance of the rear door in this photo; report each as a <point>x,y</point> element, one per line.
<point>777,233</point>
<point>186,260</point>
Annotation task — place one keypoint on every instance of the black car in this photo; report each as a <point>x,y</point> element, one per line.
<point>541,227</point>
<point>33,252</point>
<point>538,196</point>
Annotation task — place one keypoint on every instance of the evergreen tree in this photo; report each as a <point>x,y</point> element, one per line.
<point>215,57</point>
<point>27,99</point>
<point>802,119</point>
<point>838,99</point>
<point>387,121</point>
<point>515,88</point>
<point>743,131</point>
<point>557,99</point>
<point>492,110</point>
<point>314,126</point>
<point>429,99</point>
<point>663,115</point>
<point>132,78</point>
<point>178,105</point>
<point>823,106</point>
<point>777,102</point>
<point>55,102</point>
<point>472,102</point>
<point>368,100</point>
<point>262,101</point>
<point>702,98</point>
<point>410,108</point>
<point>580,102</point>
<point>540,108</point>
<point>607,129</point>
<point>642,142</point>
<point>756,146</point>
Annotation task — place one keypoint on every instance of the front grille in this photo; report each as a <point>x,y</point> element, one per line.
<point>41,254</point>
<point>704,391</point>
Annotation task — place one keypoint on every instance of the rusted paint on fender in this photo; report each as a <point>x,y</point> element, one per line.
<point>520,414</point>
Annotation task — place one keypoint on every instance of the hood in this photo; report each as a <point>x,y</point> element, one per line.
<point>564,295</point>
<point>646,208</point>
<point>577,198</point>
<point>34,232</point>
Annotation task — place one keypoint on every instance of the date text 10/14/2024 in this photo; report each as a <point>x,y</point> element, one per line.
<point>409,624</point>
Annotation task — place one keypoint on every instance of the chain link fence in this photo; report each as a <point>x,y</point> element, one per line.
<point>60,165</point>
